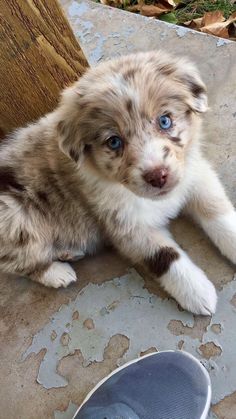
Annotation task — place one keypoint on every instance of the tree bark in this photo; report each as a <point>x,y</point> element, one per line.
<point>39,55</point>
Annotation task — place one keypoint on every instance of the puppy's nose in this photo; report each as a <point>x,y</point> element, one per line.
<point>157,177</point>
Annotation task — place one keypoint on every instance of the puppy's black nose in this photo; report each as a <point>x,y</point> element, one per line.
<point>157,177</point>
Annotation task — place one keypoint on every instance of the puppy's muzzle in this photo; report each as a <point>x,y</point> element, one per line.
<point>157,177</point>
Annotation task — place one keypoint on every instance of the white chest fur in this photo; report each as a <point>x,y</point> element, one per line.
<point>111,198</point>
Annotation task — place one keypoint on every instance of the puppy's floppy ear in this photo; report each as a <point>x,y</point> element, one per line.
<point>70,142</point>
<point>192,80</point>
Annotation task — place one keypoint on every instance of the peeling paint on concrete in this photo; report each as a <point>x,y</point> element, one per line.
<point>181,31</point>
<point>77,9</point>
<point>84,27</point>
<point>222,368</point>
<point>210,350</point>
<point>68,413</point>
<point>222,41</point>
<point>123,306</point>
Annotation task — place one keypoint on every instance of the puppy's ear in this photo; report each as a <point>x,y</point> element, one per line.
<point>192,80</point>
<point>70,142</point>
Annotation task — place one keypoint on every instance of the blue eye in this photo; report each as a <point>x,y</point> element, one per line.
<point>115,143</point>
<point>165,122</point>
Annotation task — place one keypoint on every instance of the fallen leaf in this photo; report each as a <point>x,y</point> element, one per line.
<point>149,10</point>
<point>211,18</point>
<point>232,30</point>
<point>214,23</point>
<point>113,3</point>
<point>135,8</point>
<point>194,23</point>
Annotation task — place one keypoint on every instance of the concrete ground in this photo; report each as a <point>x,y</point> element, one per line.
<point>57,344</point>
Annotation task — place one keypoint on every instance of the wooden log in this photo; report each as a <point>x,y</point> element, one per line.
<point>39,55</point>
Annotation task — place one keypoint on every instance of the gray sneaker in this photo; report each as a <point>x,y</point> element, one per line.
<point>162,385</point>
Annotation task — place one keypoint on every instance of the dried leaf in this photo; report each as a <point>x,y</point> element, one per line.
<point>214,23</point>
<point>211,18</point>
<point>109,3</point>
<point>135,8</point>
<point>115,3</point>
<point>150,10</point>
<point>232,30</point>
<point>194,23</point>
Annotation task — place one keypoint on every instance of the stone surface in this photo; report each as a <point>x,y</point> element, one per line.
<point>57,344</point>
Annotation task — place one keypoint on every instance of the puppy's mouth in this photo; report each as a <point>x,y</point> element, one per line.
<point>146,190</point>
<point>161,192</point>
<point>153,193</point>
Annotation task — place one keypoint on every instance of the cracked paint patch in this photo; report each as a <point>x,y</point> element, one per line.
<point>181,31</point>
<point>210,350</point>
<point>222,41</point>
<point>68,413</point>
<point>221,366</point>
<point>216,328</point>
<point>122,306</point>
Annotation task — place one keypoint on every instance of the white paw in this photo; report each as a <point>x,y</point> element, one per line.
<point>190,287</point>
<point>58,275</point>
<point>200,297</point>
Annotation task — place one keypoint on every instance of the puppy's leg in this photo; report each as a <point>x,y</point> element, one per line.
<point>179,276</point>
<point>211,208</point>
<point>55,274</point>
<point>26,246</point>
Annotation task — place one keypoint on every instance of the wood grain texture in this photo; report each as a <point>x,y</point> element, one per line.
<point>39,55</point>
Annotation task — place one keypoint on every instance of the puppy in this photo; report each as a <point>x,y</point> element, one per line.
<point>117,159</point>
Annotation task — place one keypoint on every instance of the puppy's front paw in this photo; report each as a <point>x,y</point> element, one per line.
<point>200,297</point>
<point>190,287</point>
<point>58,275</point>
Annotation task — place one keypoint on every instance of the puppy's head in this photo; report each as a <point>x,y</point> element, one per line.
<point>134,120</point>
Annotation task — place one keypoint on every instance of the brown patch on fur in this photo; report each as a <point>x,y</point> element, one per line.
<point>177,141</point>
<point>166,151</point>
<point>74,155</point>
<point>42,197</point>
<point>6,258</point>
<point>24,238</point>
<point>161,261</point>
<point>87,148</point>
<point>129,74</point>
<point>49,177</point>
<point>144,115</point>
<point>129,105</point>
<point>108,166</point>
<point>167,69</point>
<point>61,127</point>
<point>188,113</point>
<point>8,180</point>
<point>195,88</point>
